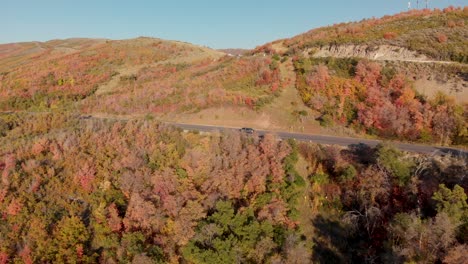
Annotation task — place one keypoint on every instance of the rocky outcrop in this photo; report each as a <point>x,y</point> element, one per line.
<point>382,52</point>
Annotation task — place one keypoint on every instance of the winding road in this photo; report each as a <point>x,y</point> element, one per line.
<point>332,140</point>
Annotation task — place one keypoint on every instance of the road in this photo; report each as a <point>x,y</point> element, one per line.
<point>332,140</point>
<point>320,139</point>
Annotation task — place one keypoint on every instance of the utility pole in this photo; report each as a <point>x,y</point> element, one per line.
<point>427,4</point>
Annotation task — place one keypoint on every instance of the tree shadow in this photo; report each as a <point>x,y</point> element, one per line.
<point>330,244</point>
<point>452,152</point>
<point>463,75</point>
<point>362,153</point>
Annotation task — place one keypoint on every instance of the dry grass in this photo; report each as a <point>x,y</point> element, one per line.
<point>278,115</point>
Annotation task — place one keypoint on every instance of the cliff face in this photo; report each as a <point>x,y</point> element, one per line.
<point>382,52</point>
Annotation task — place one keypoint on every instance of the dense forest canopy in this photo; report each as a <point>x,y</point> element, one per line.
<point>88,190</point>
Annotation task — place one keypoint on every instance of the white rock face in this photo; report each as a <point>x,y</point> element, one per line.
<point>382,52</point>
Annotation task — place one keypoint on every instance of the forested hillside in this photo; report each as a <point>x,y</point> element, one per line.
<point>91,171</point>
<point>395,98</point>
<point>79,190</point>
<point>190,87</point>
<point>383,77</point>
<point>59,81</point>
<point>378,100</point>
<point>150,76</point>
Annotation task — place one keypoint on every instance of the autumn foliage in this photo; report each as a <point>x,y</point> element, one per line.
<point>367,98</point>
<point>130,187</point>
<point>97,190</point>
<point>195,86</point>
<point>55,80</point>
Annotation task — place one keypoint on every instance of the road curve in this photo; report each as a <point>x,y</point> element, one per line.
<point>332,140</point>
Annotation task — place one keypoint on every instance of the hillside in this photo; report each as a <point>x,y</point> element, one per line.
<point>235,52</point>
<point>102,158</point>
<point>437,34</point>
<point>16,54</point>
<point>57,73</point>
<point>405,85</point>
<point>348,79</point>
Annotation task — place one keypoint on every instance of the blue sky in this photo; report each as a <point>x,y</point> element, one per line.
<point>217,24</point>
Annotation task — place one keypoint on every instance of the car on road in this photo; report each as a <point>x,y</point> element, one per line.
<point>247,130</point>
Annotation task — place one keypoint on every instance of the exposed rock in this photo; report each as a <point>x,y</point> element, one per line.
<point>382,52</point>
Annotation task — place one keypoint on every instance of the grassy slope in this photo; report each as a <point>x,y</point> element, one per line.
<point>56,73</point>
<point>149,76</point>
<point>16,54</point>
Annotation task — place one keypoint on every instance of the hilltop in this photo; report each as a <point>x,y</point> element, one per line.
<point>16,54</point>
<point>429,46</point>
<point>56,73</point>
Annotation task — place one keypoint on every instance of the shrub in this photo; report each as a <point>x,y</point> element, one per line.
<point>321,178</point>
<point>390,35</point>
<point>441,38</point>
<point>349,173</point>
<point>326,120</point>
<point>451,24</point>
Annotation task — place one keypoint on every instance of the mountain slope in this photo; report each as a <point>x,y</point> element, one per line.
<point>439,35</point>
<point>16,54</point>
<point>386,77</point>
<point>53,74</point>
<point>355,78</point>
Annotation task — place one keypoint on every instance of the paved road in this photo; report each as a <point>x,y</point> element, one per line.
<point>321,139</point>
<point>331,140</point>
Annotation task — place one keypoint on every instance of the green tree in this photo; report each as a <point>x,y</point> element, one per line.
<point>134,244</point>
<point>70,238</point>
<point>421,241</point>
<point>230,237</point>
<point>394,162</point>
<point>452,202</point>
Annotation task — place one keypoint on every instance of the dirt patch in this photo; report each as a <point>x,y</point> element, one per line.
<point>457,90</point>
<point>279,47</point>
<point>115,81</point>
